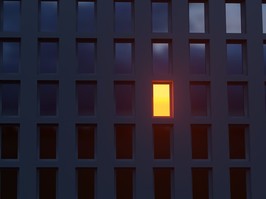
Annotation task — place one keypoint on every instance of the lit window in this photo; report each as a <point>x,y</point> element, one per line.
<point>48,55</point>
<point>11,16</point>
<point>123,17</point>
<point>161,58</point>
<point>162,102</point>
<point>160,17</point>
<point>48,16</point>
<point>86,16</point>
<point>123,57</point>
<point>197,58</point>
<point>10,50</point>
<point>235,57</point>
<point>233,17</point>
<point>263,8</point>
<point>197,18</point>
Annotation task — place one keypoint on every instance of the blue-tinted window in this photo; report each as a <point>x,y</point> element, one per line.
<point>10,92</point>
<point>11,16</point>
<point>161,63</point>
<point>197,58</point>
<point>10,56</point>
<point>86,16</point>
<point>48,16</point>
<point>48,93</point>
<point>263,9</point>
<point>199,99</point>
<point>234,59</point>
<point>264,57</point>
<point>86,55</point>
<point>196,18</point>
<point>48,56</point>
<point>160,17</point>
<point>233,17</point>
<point>123,57</point>
<point>123,17</point>
<point>236,99</point>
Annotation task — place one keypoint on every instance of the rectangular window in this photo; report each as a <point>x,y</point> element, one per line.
<point>199,98</point>
<point>238,141</point>
<point>123,17</point>
<point>47,141</point>
<point>10,92</point>
<point>237,102</point>
<point>48,94</point>
<point>160,17</point>
<point>48,15</point>
<point>10,59</point>
<point>264,56</point>
<point>162,183</point>
<point>86,16</point>
<point>235,58</point>
<point>263,9</point>
<point>162,136</point>
<point>201,183</point>
<point>86,55</point>
<point>47,183</point>
<point>124,134</point>
<point>124,183</point>
<point>239,183</point>
<point>9,141</point>
<point>233,18</point>
<point>124,92</point>
<point>123,56</point>
<point>48,55</point>
<point>11,16</point>
<point>86,97</point>
<point>200,141</point>
<point>86,183</point>
<point>198,59</point>
<point>197,22</point>
<point>161,57</point>
<point>9,183</point>
<point>86,134</point>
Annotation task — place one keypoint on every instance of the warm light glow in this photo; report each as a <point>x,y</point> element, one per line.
<point>161,99</point>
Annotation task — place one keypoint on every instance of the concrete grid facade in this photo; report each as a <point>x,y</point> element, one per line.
<point>212,147</point>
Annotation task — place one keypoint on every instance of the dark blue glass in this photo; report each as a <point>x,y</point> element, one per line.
<point>160,17</point>
<point>48,57</point>
<point>10,98</point>
<point>11,16</point>
<point>123,17</point>
<point>86,17</point>
<point>160,58</point>
<point>86,95</point>
<point>86,57</point>
<point>199,99</point>
<point>11,57</point>
<point>48,98</point>
<point>124,98</point>
<point>234,59</point>
<point>197,59</point>
<point>236,100</point>
<point>123,58</point>
<point>48,16</point>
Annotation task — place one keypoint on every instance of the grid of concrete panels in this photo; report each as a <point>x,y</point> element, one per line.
<point>56,56</point>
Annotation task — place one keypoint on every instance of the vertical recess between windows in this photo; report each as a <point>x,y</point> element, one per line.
<point>198,57</point>
<point>9,141</point>
<point>239,183</point>
<point>47,183</point>
<point>11,15</point>
<point>86,16</point>
<point>124,178</point>
<point>162,183</point>
<point>201,183</point>
<point>197,16</point>
<point>86,183</point>
<point>47,141</point>
<point>160,16</point>
<point>123,16</point>
<point>48,15</point>
<point>200,141</point>
<point>9,183</point>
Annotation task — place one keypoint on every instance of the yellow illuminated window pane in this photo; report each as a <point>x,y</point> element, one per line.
<point>161,99</point>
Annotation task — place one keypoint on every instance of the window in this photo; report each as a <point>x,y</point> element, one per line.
<point>233,18</point>
<point>47,183</point>
<point>160,15</point>
<point>124,183</point>
<point>47,141</point>
<point>123,17</point>
<point>264,56</point>
<point>237,99</point>
<point>198,60</point>
<point>86,16</point>
<point>123,56</point>
<point>9,141</point>
<point>200,141</point>
<point>199,98</point>
<point>124,92</point>
<point>10,59</point>
<point>162,99</point>
<point>237,141</point>
<point>161,57</point>
<point>239,183</point>
<point>86,183</point>
<point>162,183</point>
<point>48,55</point>
<point>124,134</point>
<point>86,55</point>
<point>48,15</point>
<point>10,91</point>
<point>235,58</point>
<point>86,141</point>
<point>11,16</point>
<point>263,8</point>
<point>9,183</point>
<point>48,92</point>
<point>201,183</point>
<point>86,97</point>
<point>197,20</point>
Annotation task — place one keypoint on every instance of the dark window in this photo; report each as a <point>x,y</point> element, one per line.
<point>199,98</point>
<point>200,183</point>
<point>86,56</point>
<point>197,18</point>
<point>199,141</point>
<point>10,92</point>
<point>86,16</point>
<point>124,183</point>
<point>48,16</point>
<point>48,92</point>
<point>160,17</point>
<point>234,58</point>
<point>9,141</point>
<point>161,57</point>
<point>236,99</point>
<point>47,141</point>
<point>47,183</point>
<point>48,56</point>
<point>9,183</point>
<point>11,16</point>
<point>10,56</point>
<point>86,141</point>
<point>238,183</point>
<point>197,58</point>
<point>123,57</point>
<point>237,141</point>
<point>162,183</point>
<point>86,183</point>
<point>123,17</point>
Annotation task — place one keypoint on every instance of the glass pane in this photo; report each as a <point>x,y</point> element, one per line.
<point>123,58</point>
<point>9,142</point>
<point>263,7</point>
<point>197,59</point>
<point>10,98</point>
<point>124,141</point>
<point>86,183</point>
<point>48,18</point>
<point>234,59</point>
<point>237,141</point>
<point>123,16</point>
<point>11,16</point>
<point>199,141</point>
<point>160,17</point>
<point>48,98</point>
<point>48,57</point>
<point>86,141</point>
<point>162,141</point>
<point>9,183</point>
<point>86,17</point>
<point>199,99</point>
<point>47,141</point>
<point>86,57</point>
<point>233,18</point>
<point>162,100</point>
<point>200,183</point>
<point>160,58</point>
<point>236,102</point>
<point>264,57</point>
<point>162,183</point>
<point>124,178</point>
<point>239,183</point>
<point>47,183</point>
<point>196,18</point>
<point>11,57</point>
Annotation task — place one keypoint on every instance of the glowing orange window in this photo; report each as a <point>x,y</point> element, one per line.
<point>162,102</point>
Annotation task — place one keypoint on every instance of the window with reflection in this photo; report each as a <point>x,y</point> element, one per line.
<point>160,17</point>
<point>198,57</point>
<point>235,58</point>
<point>233,17</point>
<point>48,55</point>
<point>197,22</point>
<point>86,20</point>
<point>263,10</point>
<point>86,55</point>
<point>123,17</point>
<point>11,16</point>
<point>123,56</point>
<point>161,57</point>
<point>48,16</point>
